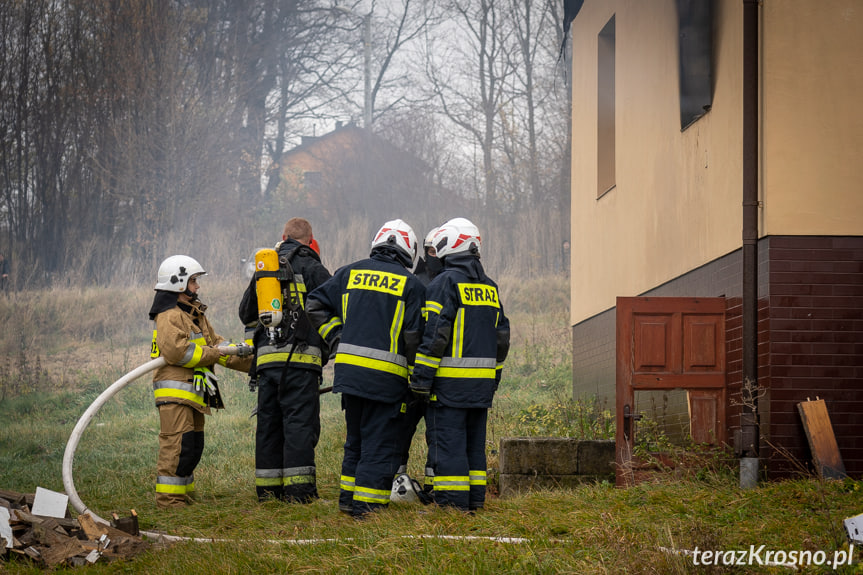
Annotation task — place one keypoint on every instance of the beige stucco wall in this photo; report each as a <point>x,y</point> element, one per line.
<point>677,203</point>
<point>812,160</point>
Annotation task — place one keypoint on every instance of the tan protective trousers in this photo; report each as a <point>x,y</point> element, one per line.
<point>181,444</point>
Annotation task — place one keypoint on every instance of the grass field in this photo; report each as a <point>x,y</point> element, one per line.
<point>61,349</point>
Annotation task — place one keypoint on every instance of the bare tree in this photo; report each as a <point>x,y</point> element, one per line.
<point>408,20</point>
<point>126,120</point>
<point>468,76</point>
<point>391,29</point>
<point>307,66</point>
<point>561,117</point>
<point>135,128</point>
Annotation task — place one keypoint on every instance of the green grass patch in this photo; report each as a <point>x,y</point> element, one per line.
<point>589,529</point>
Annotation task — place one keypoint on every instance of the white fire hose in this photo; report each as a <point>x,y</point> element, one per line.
<point>72,444</point>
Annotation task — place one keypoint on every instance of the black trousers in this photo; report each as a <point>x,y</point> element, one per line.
<point>372,453</point>
<point>416,411</point>
<point>288,430</point>
<point>457,455</point>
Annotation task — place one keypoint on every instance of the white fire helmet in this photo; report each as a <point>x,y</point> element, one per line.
<point>175,273</point>
<point>427,243</point>
<point>457,236</point>
<point>405,489</point>
<point>401,236</point>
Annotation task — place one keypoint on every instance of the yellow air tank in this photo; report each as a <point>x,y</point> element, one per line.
<point>268,288</point>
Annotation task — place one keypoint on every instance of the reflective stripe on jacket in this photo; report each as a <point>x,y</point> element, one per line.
<point>466,338</point>
<point>303,355</point>
<point>372,310</point>
<point>185,338</point>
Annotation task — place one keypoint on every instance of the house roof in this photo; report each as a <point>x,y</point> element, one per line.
<point>347,146</point>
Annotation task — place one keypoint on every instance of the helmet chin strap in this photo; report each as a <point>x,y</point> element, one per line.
<point>189,293</point>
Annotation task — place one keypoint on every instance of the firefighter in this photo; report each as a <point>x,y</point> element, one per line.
<point>458,365</point>
<point>186,388</point>
<point>427,268</point>
<point>428,265</point>
<point>370,312</point>
<point>288,376</point>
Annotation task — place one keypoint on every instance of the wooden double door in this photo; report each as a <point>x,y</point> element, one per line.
<point>665,344</point>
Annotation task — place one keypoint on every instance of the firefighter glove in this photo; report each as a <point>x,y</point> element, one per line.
<point>420,393</point>
<point>205,380</point>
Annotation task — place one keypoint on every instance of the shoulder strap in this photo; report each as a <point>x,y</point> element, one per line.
<point>290,255</point>
<point>285,271</point>
<point>289,284</point>
<point>300,327</point>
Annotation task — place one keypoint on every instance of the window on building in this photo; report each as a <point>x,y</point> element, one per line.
<point>605,109</point>
<point>695,44</point>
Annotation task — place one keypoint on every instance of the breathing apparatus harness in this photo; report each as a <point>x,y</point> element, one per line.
<point>280,307</point>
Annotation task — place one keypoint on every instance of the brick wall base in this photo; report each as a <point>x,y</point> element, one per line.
<point>810,343</point>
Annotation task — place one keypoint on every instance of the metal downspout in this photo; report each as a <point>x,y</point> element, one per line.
<point>749,436</point>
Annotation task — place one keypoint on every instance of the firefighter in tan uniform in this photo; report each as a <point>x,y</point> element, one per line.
<point>186,388</point>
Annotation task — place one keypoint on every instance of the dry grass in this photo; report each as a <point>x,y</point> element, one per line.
<point>84,339</point>
<point>83,329</point>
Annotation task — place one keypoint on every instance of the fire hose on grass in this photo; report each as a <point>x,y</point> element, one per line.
<point>84,421</point>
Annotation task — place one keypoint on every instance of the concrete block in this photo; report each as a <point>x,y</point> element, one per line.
<point>596,457</point>
<point>539,456</point>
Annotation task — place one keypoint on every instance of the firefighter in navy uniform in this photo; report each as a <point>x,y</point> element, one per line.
<point>370,313</point>
<point>186,388</point>
<point>458,365</point>
<point>429,264</point>
<point>287,371</point>
<point>427,268</point>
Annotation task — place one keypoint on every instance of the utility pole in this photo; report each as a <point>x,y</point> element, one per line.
<point>367,71</point>
<point>367,63</point>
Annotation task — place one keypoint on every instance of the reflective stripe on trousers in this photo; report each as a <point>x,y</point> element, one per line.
<point>181,444</point>
<point>284,477</point>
